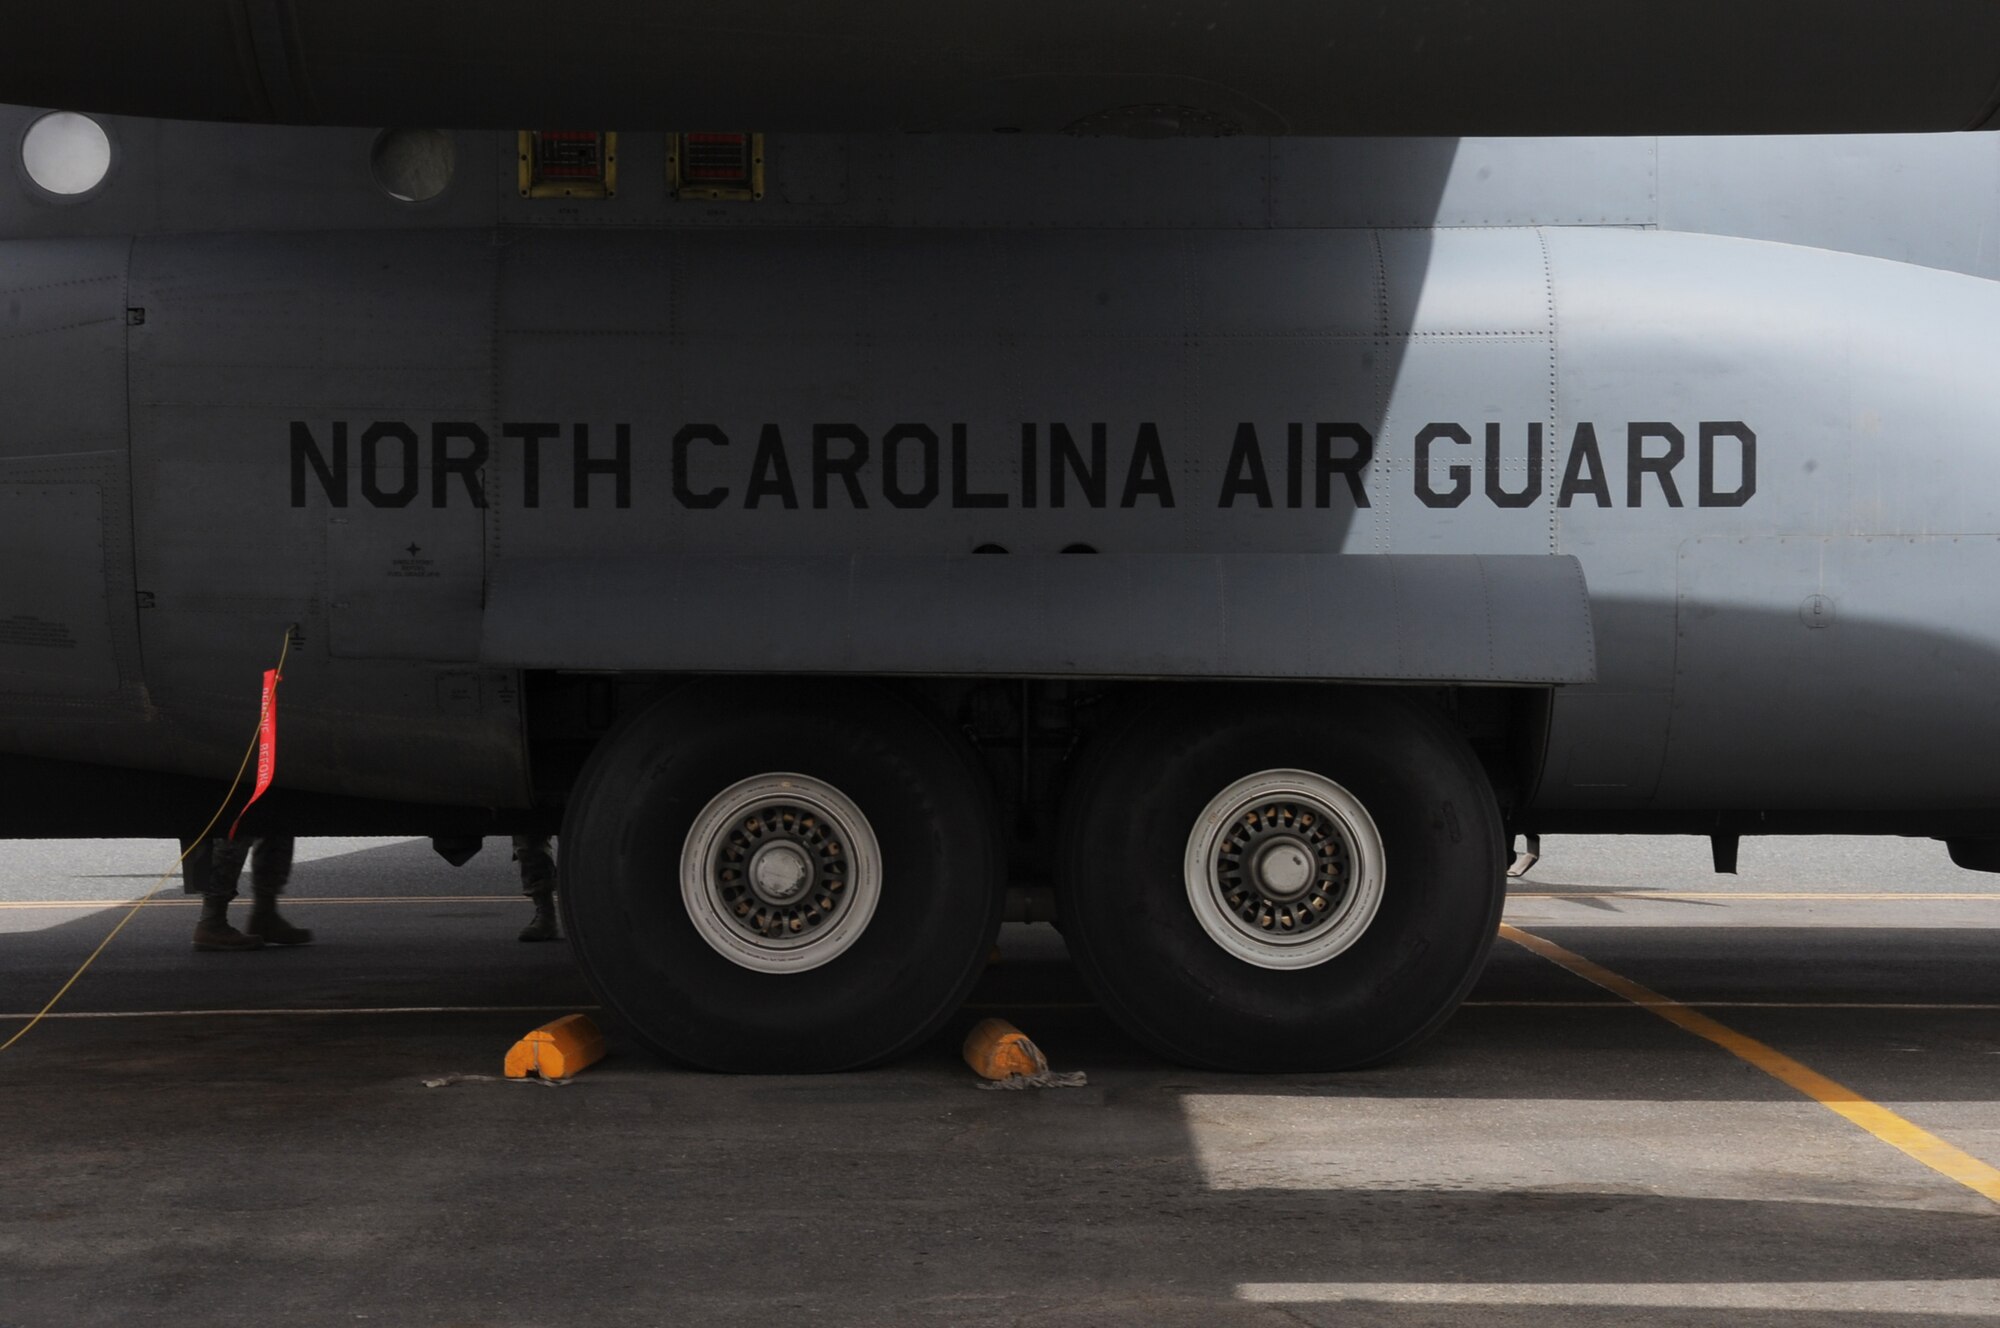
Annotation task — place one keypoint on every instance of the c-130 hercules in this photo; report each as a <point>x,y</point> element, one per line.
<point>1039,445</point>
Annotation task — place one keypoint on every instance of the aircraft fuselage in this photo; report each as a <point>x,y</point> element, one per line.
<point>1554,455</point>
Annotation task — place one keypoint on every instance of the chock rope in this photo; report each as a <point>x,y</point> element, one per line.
<point>447,1080</point>
<point>132,911</point>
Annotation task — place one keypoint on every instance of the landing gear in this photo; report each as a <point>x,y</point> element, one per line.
<point>781,876</point>
<point>1309,882</point>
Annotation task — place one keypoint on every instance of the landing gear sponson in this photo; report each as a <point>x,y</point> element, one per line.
<point>807,876</point>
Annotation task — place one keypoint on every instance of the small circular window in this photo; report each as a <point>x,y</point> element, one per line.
<point>66,153</point>
<point>413,165</point>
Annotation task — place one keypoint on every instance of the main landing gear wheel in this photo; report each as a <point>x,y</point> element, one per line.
<point>781,877</point>
<point>1280,879</point>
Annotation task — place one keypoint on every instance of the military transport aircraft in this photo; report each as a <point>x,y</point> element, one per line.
<point>856,471</point>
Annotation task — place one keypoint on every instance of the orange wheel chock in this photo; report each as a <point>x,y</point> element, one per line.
<point>995,1049</point>
<point>556,1050</point>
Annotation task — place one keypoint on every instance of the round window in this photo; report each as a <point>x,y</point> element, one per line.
<point>66,153</point>
<point>413,165</point>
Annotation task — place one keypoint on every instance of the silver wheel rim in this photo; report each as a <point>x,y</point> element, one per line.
<point>781,873</point>
<point>1284,869</point>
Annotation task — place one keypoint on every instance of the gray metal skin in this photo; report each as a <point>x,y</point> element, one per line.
<point>1791,599</point>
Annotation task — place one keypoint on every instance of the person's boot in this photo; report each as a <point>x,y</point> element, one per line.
<point>266,925</point>
<point>543,927</point>
<point>213,932</point>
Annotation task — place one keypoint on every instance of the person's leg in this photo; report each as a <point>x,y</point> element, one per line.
<point>538,883</point>
<point>270,868</point>
<point>212,930</point>
<point>197,866</point>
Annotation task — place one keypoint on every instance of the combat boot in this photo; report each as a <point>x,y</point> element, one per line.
<point>213,932</point>
<point>266,925</point>
<point>543,927</point>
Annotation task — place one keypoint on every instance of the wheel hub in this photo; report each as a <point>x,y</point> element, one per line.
<point>1284,869</point>
<point>1282,866</point>
<point>780,873</point>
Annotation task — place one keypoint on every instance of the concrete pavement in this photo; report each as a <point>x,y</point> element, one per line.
<point>247,1138</point>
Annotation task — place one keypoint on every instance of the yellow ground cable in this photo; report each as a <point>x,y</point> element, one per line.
<point>139,903</point>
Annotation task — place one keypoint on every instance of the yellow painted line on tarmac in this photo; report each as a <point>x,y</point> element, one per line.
<point>1817,896</point>
<point>1745,1005</point>
<point>1919,1143</point>
<point>302,1009</point>
<point>1956,1298</point>
<point>193,901</point>
<point>1935,1007</point>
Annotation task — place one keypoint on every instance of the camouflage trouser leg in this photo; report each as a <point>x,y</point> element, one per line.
<point>270,864</point>
<point>538,864</point>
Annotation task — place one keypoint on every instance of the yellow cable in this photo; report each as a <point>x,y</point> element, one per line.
<point>262,714</point>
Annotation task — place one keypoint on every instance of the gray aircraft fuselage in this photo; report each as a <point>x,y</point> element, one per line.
<point>471,443</point>
<point>838,536</point>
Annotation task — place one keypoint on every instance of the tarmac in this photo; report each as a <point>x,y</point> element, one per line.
<point>1697,1100</point>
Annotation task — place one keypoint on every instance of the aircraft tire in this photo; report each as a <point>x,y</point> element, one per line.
<point>709,823</point>
<point>1385,818</point>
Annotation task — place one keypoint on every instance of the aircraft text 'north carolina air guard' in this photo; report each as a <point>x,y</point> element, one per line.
<point>841,472</point>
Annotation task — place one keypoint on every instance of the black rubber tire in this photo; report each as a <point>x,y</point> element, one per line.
<point>942,878</point>
<point>1136,794</point>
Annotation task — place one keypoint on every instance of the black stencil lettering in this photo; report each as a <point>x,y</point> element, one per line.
<point>371,458</point>
<point>618,465</point>
<point>444,465</point>
<point>1326,465</point>
<point>1461,475</point>
<point>1064,459</point>
<point>1148,471</point>
<point>770,471</point>
<point>1295,464</point>
<point>531,437</point>
<point>848,467</point>
<point>1531,488</point>
<point>697,433</point>
<point>1638,465</point>
<point>1245,474</point>
<point>1030,469</point>
<point>892,480</point>
<point>1583,455</point>
<point>332,474</point>
<point>961,465</point>
<point>1746,441</point>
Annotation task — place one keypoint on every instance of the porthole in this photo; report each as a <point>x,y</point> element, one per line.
<point>413,165</point>
<point>66,154</point>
